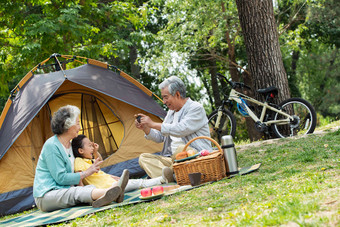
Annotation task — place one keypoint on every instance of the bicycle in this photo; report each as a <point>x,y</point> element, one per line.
<point>293,116</point>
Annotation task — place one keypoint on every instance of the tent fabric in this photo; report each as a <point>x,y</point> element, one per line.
<point>115,86</point>
<point>108,103</point>
<point>28,101</point>
<point>133,142</point>
<point>30,98</point>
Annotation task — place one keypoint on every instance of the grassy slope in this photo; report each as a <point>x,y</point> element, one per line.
<point>298,183</point>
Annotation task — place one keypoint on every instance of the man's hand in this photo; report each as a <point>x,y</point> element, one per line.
<point>141,123</point>
<point>148,124</point>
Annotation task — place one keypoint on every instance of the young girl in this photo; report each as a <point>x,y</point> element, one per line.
<point>86,151</point>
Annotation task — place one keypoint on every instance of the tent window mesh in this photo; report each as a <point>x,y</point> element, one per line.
<point>95,127</point>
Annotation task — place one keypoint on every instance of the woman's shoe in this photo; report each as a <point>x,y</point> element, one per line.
<point>111,195</point>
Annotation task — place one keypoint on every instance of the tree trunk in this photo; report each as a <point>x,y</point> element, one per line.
<point>262,46</point>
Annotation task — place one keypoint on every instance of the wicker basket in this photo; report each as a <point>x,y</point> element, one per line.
<point>211,166</point>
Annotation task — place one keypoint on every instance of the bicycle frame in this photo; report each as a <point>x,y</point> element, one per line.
<point>236,96</point>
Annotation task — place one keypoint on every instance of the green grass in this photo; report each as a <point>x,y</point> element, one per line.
<point>297,184</point>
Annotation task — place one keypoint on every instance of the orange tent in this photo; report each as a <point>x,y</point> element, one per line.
<point>108,99</point>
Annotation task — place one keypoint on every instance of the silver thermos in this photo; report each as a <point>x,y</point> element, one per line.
<point>229,155</point>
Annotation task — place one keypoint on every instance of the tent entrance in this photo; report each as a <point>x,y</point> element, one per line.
<point>96,126</point>
<point>98,121</point>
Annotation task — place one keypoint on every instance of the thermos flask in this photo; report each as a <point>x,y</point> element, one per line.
<point>229,155</point>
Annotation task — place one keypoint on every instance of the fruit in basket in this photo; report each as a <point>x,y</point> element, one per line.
<point>157,190</point>
<point>146,192</point>
<point>204,152</point>
<point>181,155</point>
<point>191,153</point>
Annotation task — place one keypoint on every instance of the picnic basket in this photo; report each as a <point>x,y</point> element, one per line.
<point>211,166</point>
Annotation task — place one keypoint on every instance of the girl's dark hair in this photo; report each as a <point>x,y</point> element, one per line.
<point>76,144</point>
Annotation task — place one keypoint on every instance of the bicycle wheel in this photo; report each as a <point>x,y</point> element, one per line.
<point>304,118</point>
<point>227,125</point>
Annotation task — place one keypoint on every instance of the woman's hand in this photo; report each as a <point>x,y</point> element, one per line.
<point>80,183</point>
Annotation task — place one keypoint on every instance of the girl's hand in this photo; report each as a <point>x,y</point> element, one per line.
<point>96,154</point>
<point>95,146</point>
<point>94,168</point>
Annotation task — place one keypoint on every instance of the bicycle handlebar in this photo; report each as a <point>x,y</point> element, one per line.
<point>234,84</point>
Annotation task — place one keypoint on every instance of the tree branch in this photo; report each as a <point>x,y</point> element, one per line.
<point>292,20</point>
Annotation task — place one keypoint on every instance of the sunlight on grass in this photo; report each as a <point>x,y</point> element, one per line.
<point>329,125</point>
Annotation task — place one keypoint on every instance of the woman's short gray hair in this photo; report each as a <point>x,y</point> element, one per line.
<point>174,84</point>
<point>64,118</point>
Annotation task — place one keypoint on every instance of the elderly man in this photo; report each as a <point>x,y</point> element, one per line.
<point>185,120</point>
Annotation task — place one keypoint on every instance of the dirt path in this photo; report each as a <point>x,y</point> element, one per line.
<point>241,148</point>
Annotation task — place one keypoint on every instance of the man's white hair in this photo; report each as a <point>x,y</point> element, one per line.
<point>174,84</point>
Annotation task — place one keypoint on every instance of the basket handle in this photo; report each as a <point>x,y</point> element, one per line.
<point>203,137</point>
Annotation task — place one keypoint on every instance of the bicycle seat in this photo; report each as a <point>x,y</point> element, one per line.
<point>268,90</point>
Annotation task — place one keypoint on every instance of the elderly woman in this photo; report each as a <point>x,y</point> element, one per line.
<point>55,183</point>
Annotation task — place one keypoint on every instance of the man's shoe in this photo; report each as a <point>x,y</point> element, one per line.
<point>110,196</point>
<point>168,175</point>
<point>124,179</point>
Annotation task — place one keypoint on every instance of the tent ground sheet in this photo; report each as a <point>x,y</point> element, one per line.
<point>37,217</point>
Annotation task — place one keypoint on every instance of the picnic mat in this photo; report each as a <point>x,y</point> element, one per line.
<point>37,217</point>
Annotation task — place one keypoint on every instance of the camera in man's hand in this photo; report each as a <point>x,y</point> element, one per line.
<point>138,118</point>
